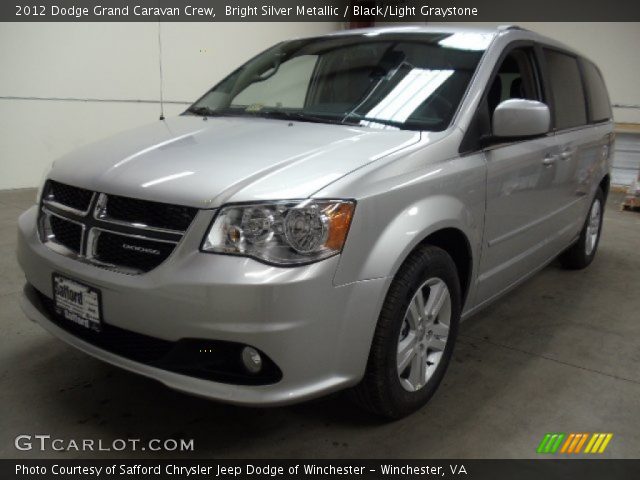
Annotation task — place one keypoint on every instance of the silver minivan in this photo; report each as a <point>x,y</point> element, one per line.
<point>325,216</point>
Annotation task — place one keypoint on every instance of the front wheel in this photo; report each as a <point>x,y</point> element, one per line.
<point>414,337</point>
<point>582,253</point>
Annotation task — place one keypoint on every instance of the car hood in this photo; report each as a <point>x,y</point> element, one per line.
<point>202,163</point>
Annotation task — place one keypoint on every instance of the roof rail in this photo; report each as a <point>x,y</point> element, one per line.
<point>503,28</point>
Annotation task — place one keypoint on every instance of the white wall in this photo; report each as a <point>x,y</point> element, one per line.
<point>612,46</point>
<point>111,62</point>
<point>119,61</point>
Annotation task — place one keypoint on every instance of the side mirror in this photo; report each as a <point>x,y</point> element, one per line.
<point>521,118</point>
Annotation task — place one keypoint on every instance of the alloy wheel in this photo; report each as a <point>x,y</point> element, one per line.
<point>423,334</point>
<point>593,227</point>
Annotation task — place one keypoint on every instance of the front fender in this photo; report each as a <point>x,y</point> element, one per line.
<point>384,234</point>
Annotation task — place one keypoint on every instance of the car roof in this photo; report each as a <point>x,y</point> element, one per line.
<point>413,29</point>
<point>512,32</point>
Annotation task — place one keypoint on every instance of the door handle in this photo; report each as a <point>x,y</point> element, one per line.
<point>549,160</point>
<point>567,154</point>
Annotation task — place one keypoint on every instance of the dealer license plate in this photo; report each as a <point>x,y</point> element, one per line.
<point>77,302</point>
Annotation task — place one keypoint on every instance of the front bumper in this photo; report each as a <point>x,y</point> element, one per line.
<point>317,333</point>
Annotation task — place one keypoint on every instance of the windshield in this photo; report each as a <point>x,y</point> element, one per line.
<point>404,80</point>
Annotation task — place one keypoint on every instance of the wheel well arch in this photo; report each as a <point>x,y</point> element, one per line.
<point>604,185</point>
<point>456,244</point>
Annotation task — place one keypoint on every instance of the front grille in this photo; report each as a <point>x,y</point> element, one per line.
<point>152,214</point>
<point>66,233</point>
<point>74,197</point>
<point>200,358</point>
<point>125,234</point>
<point>130,252</point>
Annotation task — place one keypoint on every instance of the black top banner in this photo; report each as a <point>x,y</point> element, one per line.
<point>319,10</point>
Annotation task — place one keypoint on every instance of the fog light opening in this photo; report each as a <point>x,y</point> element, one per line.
<point>252,360</point>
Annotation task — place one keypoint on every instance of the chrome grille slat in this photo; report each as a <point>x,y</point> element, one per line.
<point>104,239</point>
<point>61,206</point>
<point>68,198</point>
<point>100,212</point>
<point>48,237</point>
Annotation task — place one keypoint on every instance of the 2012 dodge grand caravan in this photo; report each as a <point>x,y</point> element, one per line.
<point>326,215</point>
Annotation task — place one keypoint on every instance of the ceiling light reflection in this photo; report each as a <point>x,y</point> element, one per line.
<point>467,41</point>
<point>168,178</point>
<point>417,86</point>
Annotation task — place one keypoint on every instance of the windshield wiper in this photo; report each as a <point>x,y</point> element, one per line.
<point>206,112</point>
<point>297,116</point>
<point>276,114</point>
<point>362,118</point>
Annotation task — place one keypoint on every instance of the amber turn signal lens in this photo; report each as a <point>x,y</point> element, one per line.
<point>339,216</point>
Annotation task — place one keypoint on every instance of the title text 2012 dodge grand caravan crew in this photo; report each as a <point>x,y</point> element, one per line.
<point>326,215</point>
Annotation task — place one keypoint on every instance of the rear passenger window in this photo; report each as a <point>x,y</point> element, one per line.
<point>566,86</point>
<point>597,96</point>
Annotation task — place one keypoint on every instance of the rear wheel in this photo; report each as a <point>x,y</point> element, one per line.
<point>414,338</point>
<point>582,253</point>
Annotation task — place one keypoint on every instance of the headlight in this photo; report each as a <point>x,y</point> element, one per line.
<point>284,233</point>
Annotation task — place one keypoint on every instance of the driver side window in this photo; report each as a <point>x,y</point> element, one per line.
<point>516,78</point>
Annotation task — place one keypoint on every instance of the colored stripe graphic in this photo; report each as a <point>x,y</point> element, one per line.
<point>598,442</point>
<point>591,442</point>
<point>581,442</point>
<point>556,445</point>
<point>543,443</point>
<point>550,443</point>
<point>605,443</point>
<point>576,439</point>
<point>577,444</point>
<point>565,447</point>
<point>574,442</point>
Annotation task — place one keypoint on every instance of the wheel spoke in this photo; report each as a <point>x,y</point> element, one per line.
<point>438,295</point>
<point>414,314</point>
<point>418,300</point>
<point>406,352</point>
<point>418,372</point>
<point>440,329</point>
<point>437,343</point>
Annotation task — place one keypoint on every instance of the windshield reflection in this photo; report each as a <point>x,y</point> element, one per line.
<point>391,80</point>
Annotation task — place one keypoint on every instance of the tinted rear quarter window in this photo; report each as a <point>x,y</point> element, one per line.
<point>568,93</point>
<point>597,96</point>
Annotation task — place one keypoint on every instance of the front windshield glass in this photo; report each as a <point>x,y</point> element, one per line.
<point>403,80</point>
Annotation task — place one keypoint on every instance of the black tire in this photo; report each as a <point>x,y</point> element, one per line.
<point>576,257</point>
<point>381,391</point>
